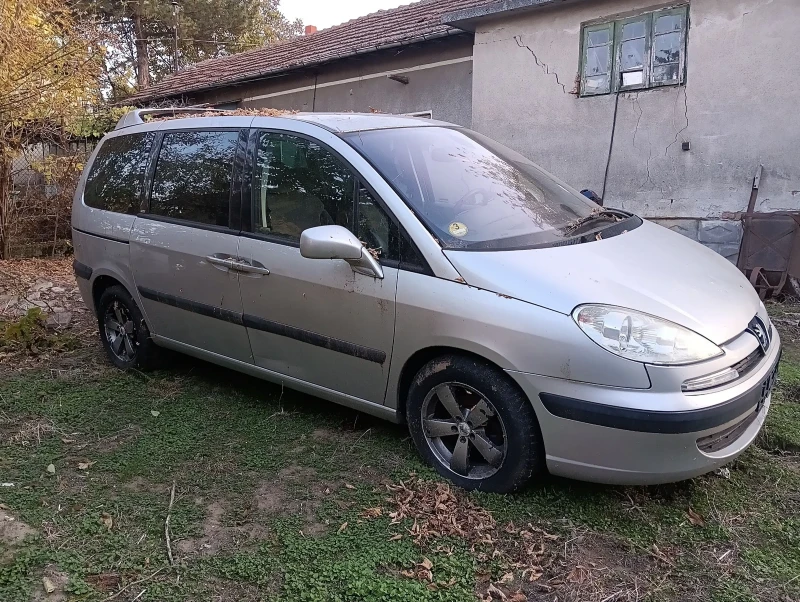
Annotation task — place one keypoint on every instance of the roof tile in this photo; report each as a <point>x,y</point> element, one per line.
<point>384,28</point>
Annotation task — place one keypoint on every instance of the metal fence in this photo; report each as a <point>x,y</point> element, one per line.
<point>44,178</point>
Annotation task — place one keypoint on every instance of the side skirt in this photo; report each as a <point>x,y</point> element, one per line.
<point>355,403</point>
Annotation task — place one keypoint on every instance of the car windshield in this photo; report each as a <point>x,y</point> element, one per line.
<point>472,192</point>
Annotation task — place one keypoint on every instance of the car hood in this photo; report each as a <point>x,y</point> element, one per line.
<point>650,269</point>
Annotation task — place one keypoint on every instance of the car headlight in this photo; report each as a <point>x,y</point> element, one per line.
<point>641,337</point>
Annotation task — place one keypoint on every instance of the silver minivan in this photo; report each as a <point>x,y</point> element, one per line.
<point>420,272</point>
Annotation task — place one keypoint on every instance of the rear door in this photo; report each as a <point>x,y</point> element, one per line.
<point>183,245</point>
<point>311,319</point>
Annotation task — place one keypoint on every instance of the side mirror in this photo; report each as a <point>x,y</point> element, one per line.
<point>592,196</point>
<point>336,242</point>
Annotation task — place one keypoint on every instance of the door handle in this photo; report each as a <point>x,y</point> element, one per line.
<point>242,265</point>
<point>220,261</point>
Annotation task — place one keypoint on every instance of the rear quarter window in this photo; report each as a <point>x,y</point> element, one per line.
<point>116,177</point>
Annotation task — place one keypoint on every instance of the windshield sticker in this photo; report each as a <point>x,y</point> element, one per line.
<point>458,229</point>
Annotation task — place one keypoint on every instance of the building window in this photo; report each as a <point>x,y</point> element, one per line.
<point>632,53</point>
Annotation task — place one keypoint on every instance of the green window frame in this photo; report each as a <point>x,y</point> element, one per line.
<point>646,50</point>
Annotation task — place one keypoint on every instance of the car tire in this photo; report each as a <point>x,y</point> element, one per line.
<point>456,402</point>
<point>123,331</point>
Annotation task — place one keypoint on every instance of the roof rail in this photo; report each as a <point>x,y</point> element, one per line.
<point>136,117</point>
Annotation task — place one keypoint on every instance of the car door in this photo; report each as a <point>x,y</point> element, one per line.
<point>312,319</point>
<point>182,247</point>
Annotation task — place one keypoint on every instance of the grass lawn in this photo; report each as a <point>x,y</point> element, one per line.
<point>280,496</point>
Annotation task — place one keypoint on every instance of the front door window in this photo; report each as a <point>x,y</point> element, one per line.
<point>299,185</point>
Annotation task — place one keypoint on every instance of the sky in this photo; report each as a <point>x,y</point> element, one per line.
<point>325,13</point>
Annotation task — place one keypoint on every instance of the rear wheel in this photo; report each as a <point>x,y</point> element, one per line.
<point>474,425</point>
<point>123,331</point>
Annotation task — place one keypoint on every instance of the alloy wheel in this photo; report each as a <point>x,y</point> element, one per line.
<point>464,430</point>
<point>120,332</point>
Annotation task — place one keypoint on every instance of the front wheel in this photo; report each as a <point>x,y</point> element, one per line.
<point>470,421</point>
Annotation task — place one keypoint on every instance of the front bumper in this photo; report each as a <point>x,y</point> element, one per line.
<point>609,435</point>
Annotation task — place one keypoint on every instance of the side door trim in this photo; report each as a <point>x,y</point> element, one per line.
<point>256,323</point>
<point>316,339</point>
<point>210,311</point>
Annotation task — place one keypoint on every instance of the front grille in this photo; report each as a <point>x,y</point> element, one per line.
<point>722,439</point>
<point>747,364</point>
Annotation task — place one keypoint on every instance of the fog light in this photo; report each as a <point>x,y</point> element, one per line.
<point>711,380</point>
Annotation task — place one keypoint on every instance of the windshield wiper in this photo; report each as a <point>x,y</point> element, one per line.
<point>612,215</point>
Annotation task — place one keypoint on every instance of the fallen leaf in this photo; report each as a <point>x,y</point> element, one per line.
<point>342,528</point>
<point>518,597</point>
<point>107,520</point>
<point>85,465</point>
<point>372,512</point>
<point>425,575</point>
<point>432,587</point>
<point>396,537</point>
<point>51,468</point>
<point>68,441</point>
<point>659,554</point>
<point>578,575</point>
<point>497,593</point>
<point>349,486</point>
<point>155,412</point>
<point>695,518</point>
<point>507,578</point>
<point>426,563</point>
<point>409,574</point>
<point>48,585</point>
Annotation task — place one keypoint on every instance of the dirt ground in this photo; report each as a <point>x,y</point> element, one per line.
<point>280,496</point>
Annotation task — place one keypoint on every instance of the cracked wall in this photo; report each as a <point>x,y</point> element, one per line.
<point>740,107</point>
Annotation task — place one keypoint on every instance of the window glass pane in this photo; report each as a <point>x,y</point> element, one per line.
<point>410,258</point>
<point>664,74</point>
<point>667,48</point>
<point>193,176</point>
<point>599,37</point>
<point>375,230</point>
<point>596,84</point>
<point>669,23</point>
<point>597,60</point>
<point>299,185</point>
<point>633,30</point>
<point>115,180</point>
<point>632,54</point>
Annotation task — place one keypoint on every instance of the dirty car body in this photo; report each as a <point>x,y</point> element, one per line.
<point>421,272</point>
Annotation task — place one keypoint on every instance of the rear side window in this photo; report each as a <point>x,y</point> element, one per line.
<point>193,175</point>
<point>115,180</point>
